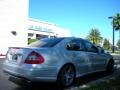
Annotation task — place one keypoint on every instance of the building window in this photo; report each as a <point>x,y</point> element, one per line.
<point>30,34</point>
<point>39,36</point>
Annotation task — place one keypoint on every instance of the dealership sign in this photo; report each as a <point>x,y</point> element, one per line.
<point>39,28</point>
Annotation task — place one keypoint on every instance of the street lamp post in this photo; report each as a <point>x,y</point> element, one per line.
<point>113,49</point>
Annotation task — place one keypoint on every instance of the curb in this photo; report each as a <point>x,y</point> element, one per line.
<point>2,56</point>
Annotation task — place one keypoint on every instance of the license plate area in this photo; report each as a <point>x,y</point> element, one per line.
<point>16,58</point>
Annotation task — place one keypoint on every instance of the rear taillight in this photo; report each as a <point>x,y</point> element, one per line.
<point>34,58</point>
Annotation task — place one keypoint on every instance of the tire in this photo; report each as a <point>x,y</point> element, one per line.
<point>66,76</point>
<point>110,67</point>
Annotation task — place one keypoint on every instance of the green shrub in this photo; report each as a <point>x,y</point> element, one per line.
<point>31,40</point>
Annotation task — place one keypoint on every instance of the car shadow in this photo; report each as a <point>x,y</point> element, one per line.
<point>40,86</point>
<point>89,78</point>
<point>78,82</point>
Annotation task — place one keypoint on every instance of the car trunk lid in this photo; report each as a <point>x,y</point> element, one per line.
<point>17,55</point>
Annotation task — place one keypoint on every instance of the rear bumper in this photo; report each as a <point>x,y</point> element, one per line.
<point>42,74</point>
<point>29,79</point>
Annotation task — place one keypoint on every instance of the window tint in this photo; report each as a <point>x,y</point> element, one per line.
<point>78,45</point>
<point>46,42</point>
<point>90,47</point>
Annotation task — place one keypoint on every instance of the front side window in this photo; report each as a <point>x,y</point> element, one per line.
<point>90,47</point>
<point>46,42</point>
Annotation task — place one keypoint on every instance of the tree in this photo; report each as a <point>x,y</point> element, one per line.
<point>94,36</point>
<point>116,26</point>
<point>106,44</point>
<point>117,21</point>
<point>118,43</point>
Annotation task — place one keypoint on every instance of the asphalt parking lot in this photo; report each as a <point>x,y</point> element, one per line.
<point>5,84</point>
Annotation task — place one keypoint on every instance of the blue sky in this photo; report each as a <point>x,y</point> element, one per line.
<point>80,16</point>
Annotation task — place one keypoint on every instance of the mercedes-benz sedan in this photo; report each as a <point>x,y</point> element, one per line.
<point>56,60</point>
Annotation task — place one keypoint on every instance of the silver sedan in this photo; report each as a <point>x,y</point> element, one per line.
<point>56,60</point>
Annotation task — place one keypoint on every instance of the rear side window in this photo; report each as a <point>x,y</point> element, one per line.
<point>46,42</point>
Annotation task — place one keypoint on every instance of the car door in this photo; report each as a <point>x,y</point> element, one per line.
<point>78,55</point>
<point>96,58</point>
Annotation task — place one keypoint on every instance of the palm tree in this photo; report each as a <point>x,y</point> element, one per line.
<point>117,23</point>
<point>116,26</point>
<point>94,36</point>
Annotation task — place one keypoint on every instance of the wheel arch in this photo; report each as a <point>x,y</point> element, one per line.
<point>111,59</point>
<point>110,62</point>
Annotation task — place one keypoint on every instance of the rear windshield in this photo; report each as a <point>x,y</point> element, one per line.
<point>46,42</point>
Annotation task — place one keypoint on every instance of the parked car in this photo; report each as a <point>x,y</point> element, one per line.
<point>56,60</point>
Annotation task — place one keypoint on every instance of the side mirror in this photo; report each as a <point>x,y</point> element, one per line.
<point>101,50</point>
<point>108,52</point>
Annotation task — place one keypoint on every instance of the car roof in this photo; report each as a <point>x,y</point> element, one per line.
<point>72,38</point>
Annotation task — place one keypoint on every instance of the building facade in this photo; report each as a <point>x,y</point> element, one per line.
<point>16,28</point>
<point>13,24</point>
<point>41,29</point>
